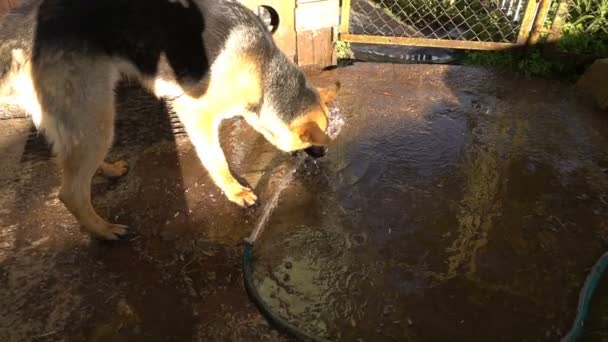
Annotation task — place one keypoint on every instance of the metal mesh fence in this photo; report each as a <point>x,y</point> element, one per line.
<point>467,20</point>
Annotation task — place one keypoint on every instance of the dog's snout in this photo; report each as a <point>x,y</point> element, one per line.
<point>315,151</point>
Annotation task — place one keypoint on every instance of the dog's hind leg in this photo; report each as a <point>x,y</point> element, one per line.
<point>79,165</point>
<point>77,96</point>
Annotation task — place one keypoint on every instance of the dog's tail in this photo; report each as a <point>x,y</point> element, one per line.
<point>11,68</point>
<point>17,94</point>
<point>16,85</point>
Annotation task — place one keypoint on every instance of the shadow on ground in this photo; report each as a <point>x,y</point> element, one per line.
<point>178,279</point>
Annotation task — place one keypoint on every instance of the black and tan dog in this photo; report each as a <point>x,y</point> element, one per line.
<point>222,61</point>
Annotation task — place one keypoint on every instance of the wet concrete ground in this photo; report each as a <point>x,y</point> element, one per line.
<point>456,204</point>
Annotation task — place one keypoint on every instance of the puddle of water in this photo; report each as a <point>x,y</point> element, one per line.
<point>415,227</point>
<point>336,122</point>
<point>331,242</point>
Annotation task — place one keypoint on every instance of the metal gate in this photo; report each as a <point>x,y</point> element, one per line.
<point>463,24</point>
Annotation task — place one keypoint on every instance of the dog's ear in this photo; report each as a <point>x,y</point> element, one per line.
<point>310,132</point>
<point>328,94</point>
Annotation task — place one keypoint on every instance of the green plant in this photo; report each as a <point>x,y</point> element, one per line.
<point>535,64</point>
<point>577,41</point>
<point>590,16</point>
<point>586,28</point>
<point>343,50</point>
<point>490,58</point>
<point>532,63</point>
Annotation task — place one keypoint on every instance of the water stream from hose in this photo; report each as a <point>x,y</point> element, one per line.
<point>336,121</point>
<point>274,199</point>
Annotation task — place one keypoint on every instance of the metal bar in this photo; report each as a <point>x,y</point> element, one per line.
<point>539,22</point>
<point>345,17</point>
<point>558,21</point>
<point>440,43</point>
<point>526,23</point>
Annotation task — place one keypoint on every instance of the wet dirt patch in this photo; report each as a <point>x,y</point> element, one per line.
<point>443,212</point>
<point>456,203</point>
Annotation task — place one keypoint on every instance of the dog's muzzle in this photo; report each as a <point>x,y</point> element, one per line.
<point>315,151</point>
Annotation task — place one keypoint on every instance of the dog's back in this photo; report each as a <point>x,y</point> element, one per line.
<point>142,31</point>
<point>153,37</point>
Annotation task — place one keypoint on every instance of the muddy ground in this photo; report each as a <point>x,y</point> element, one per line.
<point>457,203</point>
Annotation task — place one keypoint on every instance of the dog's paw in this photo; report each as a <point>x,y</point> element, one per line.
<point>111,232</point>
<point>114,170</point>
<point>242,196</point>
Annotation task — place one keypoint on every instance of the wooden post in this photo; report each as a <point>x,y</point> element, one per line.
<point>539,22</point>
<point>558,21</point>
<point>527,22</point>
<point>345,17</point>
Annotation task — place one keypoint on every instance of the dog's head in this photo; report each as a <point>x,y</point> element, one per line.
<point>304,130</point>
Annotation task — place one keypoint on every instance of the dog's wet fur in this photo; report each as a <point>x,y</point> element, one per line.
<point>212,60</point>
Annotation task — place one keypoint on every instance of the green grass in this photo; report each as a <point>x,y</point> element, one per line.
<point>587,44</point>
<point>532,63</point>
<point>586,28</point>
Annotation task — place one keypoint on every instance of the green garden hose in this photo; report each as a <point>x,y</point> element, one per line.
<point>584,300</point>
<point>276,321</point>
<point>575,333</point>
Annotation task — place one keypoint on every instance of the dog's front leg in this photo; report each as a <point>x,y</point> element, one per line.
<point>203,130</point>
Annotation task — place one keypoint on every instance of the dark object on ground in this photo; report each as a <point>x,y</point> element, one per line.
<point>592,82</point>
<point>315,151</point>
<point>405,54</point>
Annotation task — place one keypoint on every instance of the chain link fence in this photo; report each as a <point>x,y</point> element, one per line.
<point>466,20</point>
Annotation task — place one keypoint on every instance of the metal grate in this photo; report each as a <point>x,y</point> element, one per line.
<point>37,148</point>
<point>465,20</point>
